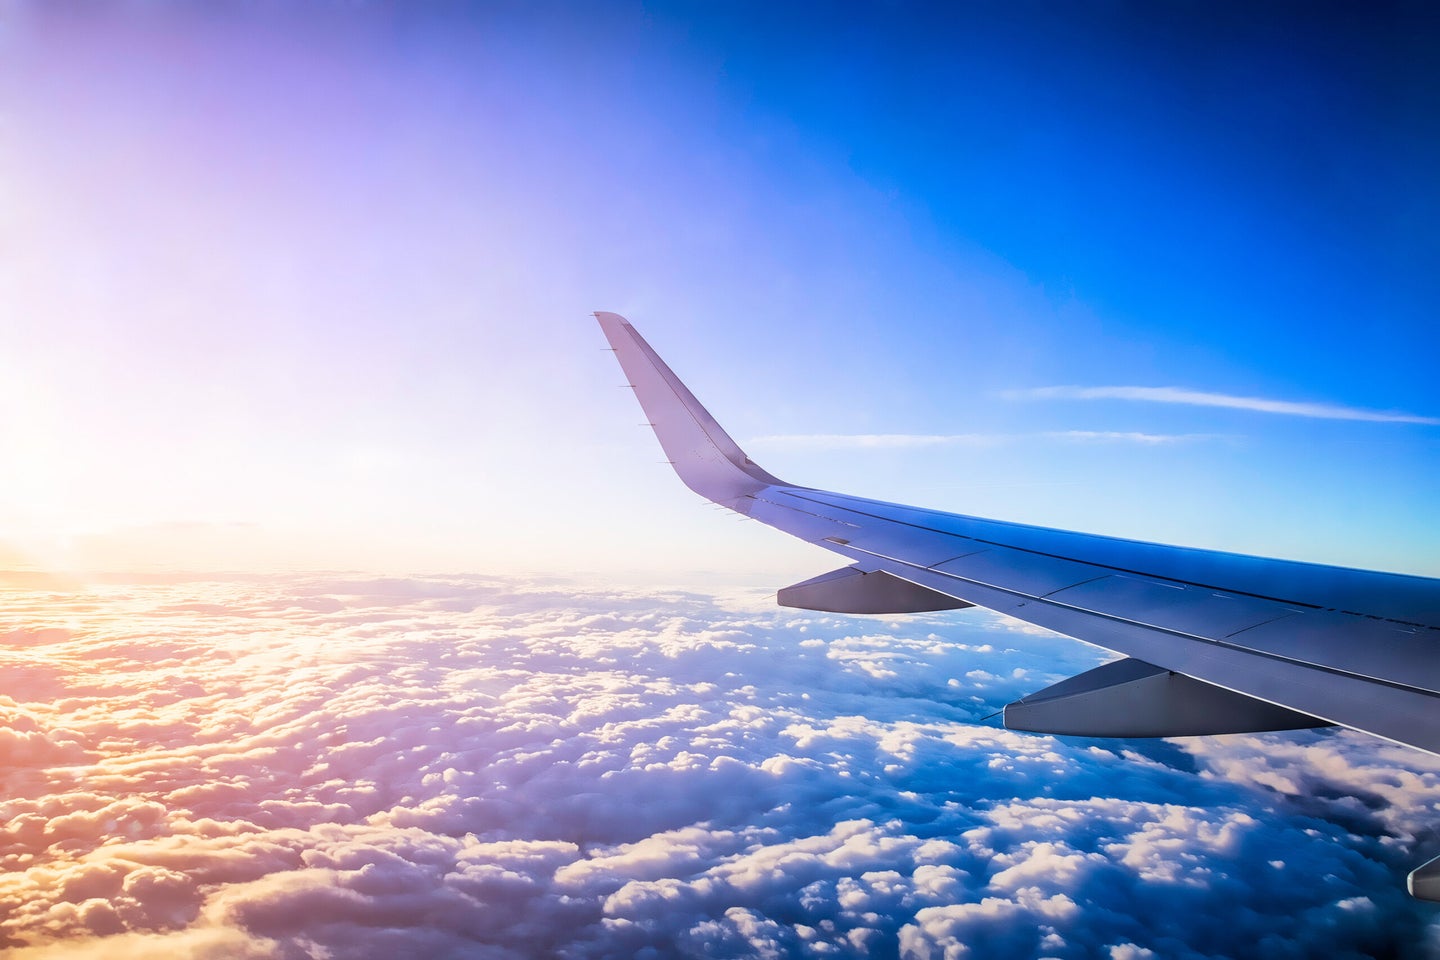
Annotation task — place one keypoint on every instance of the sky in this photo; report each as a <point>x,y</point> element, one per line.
<point>307,286</point>
<point>348,609</point>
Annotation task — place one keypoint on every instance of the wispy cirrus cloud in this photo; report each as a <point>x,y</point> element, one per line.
<point>874,441</point>
<point>1128,436</point>
<point>1205,398</point>
<point>908,441</point>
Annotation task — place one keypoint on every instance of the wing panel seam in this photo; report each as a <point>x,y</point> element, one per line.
<point>1170,631</point>
<point>1092,563</point>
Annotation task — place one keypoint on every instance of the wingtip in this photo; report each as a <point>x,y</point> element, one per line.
<point>708,461</point>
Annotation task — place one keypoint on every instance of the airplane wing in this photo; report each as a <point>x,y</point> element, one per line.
<point>1213,642</point>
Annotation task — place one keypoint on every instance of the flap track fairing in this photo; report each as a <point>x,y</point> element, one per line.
<point>1132,698</point>
<point>852,590</point>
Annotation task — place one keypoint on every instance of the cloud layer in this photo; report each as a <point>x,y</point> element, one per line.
<point>477,767</point>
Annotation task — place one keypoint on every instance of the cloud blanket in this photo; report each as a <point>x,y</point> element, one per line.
<point>306,767</point>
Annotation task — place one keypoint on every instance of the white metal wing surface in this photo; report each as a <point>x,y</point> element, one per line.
<point>1215,642</point>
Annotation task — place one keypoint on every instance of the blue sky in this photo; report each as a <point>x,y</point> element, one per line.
<point>310,287</point>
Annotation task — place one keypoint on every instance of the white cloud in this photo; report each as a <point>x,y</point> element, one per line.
<point>1203,398</point>
<point>480,767</point>
<point>904,441</point>
<point>1128,436</point>
<point>871,441</point>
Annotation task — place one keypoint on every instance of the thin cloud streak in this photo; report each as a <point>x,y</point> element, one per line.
<point>1128,436</point>
<point>904,441</point>
<point>1202,398</point>
<point>849,441</point>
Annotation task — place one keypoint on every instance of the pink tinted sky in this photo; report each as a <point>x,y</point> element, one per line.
<point>310,289</point>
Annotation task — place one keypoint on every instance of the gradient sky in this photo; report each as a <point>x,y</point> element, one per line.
<point>306,287</point>
<point>310,287</point>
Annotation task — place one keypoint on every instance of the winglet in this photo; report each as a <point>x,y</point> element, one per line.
<point>704,456</point>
